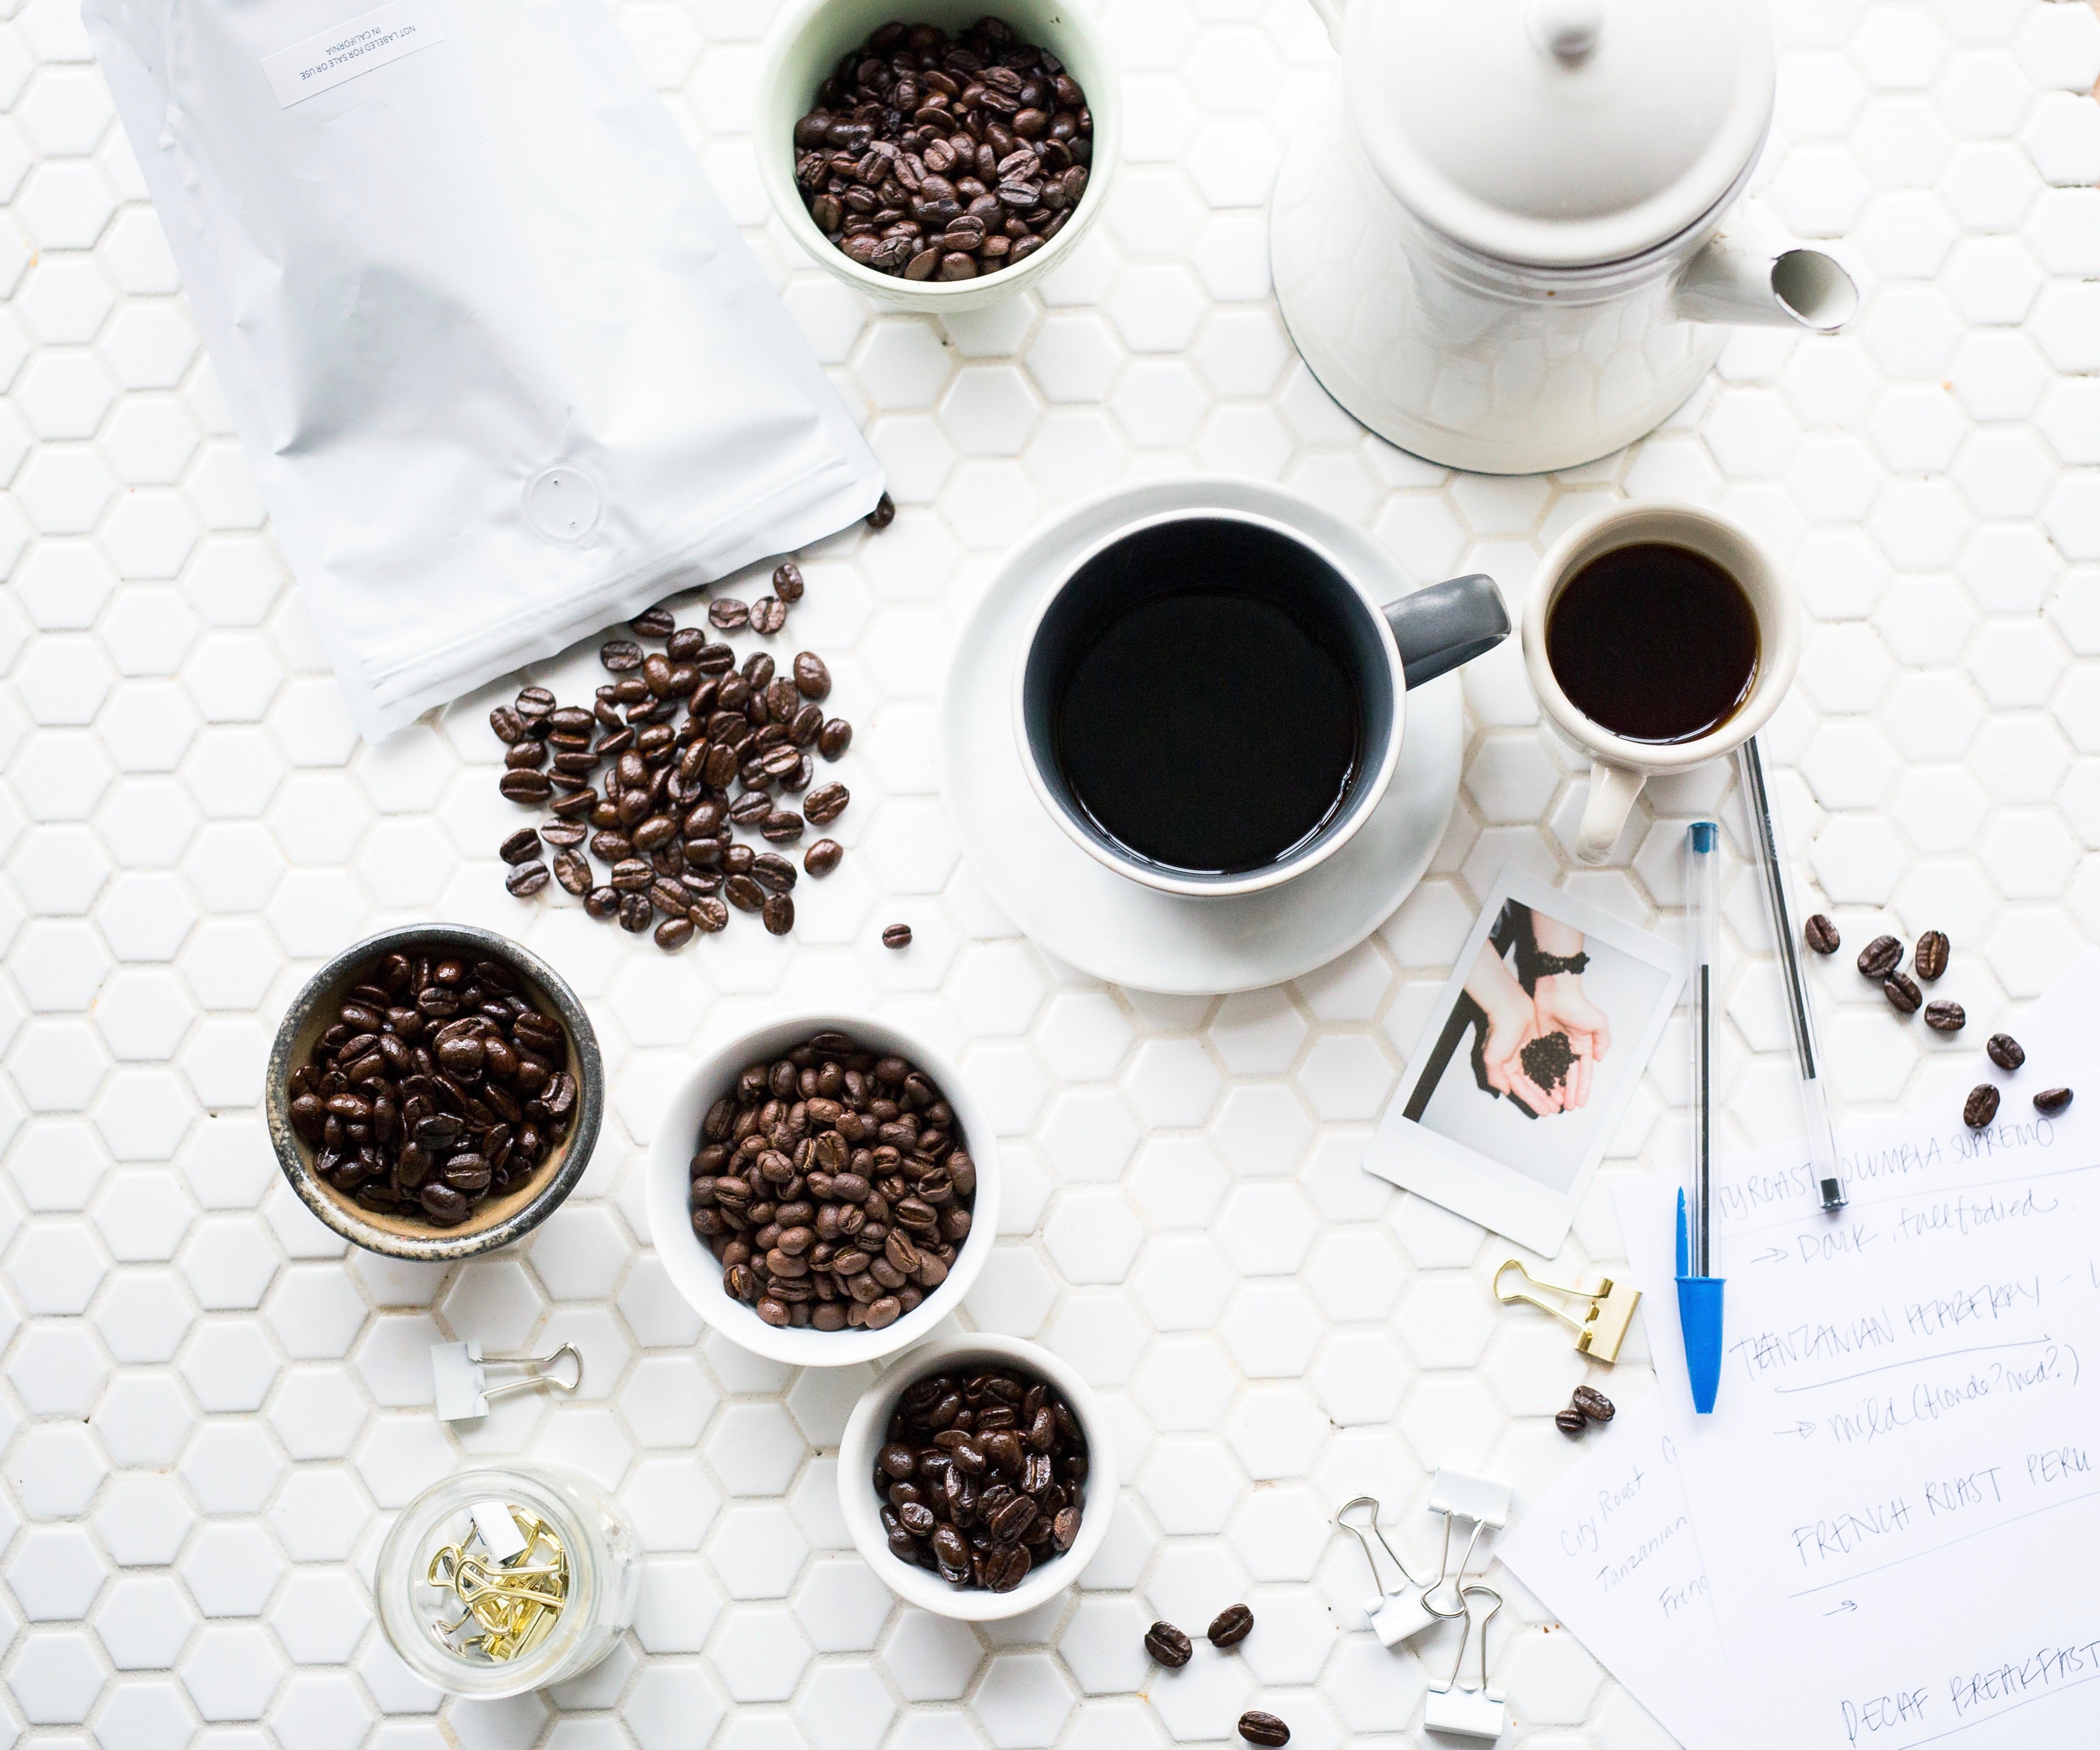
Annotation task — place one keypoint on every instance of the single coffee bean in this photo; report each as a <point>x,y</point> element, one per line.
<point>769,615</point>
<point>743,892</point>
<point>2004,1051</point>
<point>772,870</point>
<point>508,726</point>
<point>825,803</point>
<point>674,932</point>
<point>1904,995</point>
<point>1944,1016</point>
<point>782,826</point>
<point>534,703</point>
<point>708,914</point>
<point>528,755</point>
<point>787,582</point>
<point>1880,957</point>
<point>897,935</point>
<point>1168,1646</point>
<point>572,869</point>
<point>658,622</point>
<point>778,913</point>
<point>521,847</point>
<point>1260,1728</point>
<point>526,879</point>
<point>603,902</point>
<point>883,514</point>
<point>725,615</point>
<point>2052,1101</point>
<point>1593,1404</point>
<point>1570,1421</point>
<point>1820,934</point>
<point>1929,959</point>
<point>1231,1626</point>
<point>813,680</point>
<point>620,656</point>
<point>822,858</point>
<point>562,834</point>
<point>1981,1106</point>
<point>635,913</point>
<point>526,785</point>
<point>834,738</point>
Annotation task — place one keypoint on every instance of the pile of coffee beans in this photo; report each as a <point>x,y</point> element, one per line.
<point>983,1474</point>
<point>1547,1059</point>
<point>1882,960</point>
<point>928,156</point>
<point>439,1086</point>
<point>834,1186</point>
<point>681,746</point>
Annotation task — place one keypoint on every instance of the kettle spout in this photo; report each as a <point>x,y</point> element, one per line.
<point>1803,288</point>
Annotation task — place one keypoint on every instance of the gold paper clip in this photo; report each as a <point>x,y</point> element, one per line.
<point>1601,1329</point>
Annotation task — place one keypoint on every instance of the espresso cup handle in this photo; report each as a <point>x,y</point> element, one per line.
<point>1447,625</point>
<point>1613,790</point>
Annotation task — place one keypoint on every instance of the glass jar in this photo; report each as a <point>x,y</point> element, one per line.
<point>598,1547</point>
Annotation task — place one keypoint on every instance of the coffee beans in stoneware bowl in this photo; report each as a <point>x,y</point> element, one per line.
<point>1049,1570</point>
<point>872,188</point>
<point>435,1092</point>
<point>825,1205</point>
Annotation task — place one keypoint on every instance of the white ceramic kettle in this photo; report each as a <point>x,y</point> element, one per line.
<point>1501,249</point>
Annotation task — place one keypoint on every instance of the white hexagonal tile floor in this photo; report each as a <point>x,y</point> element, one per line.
<point>210,1408</point>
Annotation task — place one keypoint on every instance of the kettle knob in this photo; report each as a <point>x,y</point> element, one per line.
<point>1566,29</point>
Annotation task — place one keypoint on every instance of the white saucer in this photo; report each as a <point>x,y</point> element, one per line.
<point>1118,930</point>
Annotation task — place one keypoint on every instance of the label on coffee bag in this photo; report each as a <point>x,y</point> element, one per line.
<point>356,46</point>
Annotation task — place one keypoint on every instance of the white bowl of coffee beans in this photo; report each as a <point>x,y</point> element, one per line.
<point>938,155</point>
<point>824,1189</point>
<point>978,1477</point>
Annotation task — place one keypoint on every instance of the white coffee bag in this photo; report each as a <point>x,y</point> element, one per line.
<point>504,366</point>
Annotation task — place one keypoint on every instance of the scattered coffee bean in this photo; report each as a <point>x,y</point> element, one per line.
<point>725,615</point>
<point>1570,1421</point>
<point>521,847</point>
<point>825,803</point>
<point>822,858</point>
<point>1880,957</point>
<point>1821,934</point>
<point>1904,994</point>
<point>2052,1101</point>
<point>834,738</point>
<point>572,869</point>
<point>439,1085</point>
<point>778,913</point>
<point>812,679</point>
<point>788,581</point>
<point>1593,1404</point>
<point>1981,1106</point>
<point>1231,1626</point>
<point>1944,1016</point>
<point>674,932</point>
<point>2004,1051</point>
<point>897,935</point>
<point>508,724</point>
<point>621,655</point>
<point>526,879</point>
<point>883,514</point>
<point>534,703</point>
<point>982,1474</point>
<point>1167,1645</point>
<point>657,622</point>
<point>1929,959</point>
<point>1265,1728</point>
<point>769,613</point>
<point>526,785</point>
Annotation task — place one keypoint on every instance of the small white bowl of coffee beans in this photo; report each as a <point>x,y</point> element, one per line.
<point>978,1477</point>
<point>816,1189</point>
<point>939,156</point>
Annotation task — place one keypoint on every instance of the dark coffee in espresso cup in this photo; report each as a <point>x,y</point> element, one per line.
<point>1210,704</point>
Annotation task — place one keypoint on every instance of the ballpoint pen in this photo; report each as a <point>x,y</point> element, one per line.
<point>1698,1289</point>
<point>1814,1098</point>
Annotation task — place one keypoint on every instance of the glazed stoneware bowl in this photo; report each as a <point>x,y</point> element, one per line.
<point>693,1268</point>
<point>500,1220</point>
<point>869,1420</point>
<point>806,48</point>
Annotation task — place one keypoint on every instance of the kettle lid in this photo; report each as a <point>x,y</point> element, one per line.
<point>1559,132</point>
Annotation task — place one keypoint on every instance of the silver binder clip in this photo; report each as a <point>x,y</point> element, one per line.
<point>1401,1612</point>
<point>1450,1707</point>
<point>459,1374</point>
<point>1457,1496</point>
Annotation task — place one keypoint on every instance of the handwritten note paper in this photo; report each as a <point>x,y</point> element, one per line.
<point>1611,1551</point>
<point>1897,1495</point>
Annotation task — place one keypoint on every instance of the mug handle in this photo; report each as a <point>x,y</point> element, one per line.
<point>1446,626</point>
<point>1613,789</point>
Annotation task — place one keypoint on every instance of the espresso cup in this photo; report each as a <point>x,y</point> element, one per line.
<point>1318,661</point>
<point>1619,766</point>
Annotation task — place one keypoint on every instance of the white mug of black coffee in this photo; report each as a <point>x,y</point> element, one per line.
<point>1210,704</point>
<point>1659,637</point>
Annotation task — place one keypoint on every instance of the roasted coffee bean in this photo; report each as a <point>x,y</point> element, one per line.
<point>621,655</point>
<point>674,932</point>
<point>534,703</point>
<point>1570,1421</point>
<point>563,833</point>
<point>774,871</point>
<point>782,826</point>
<point>1231,1626</point>
<point>2052,1101</point>
<point>603,902</point>
<point>743,892</point>
<point>2004,1051</point>
<point>1593,1404</point>
<point>813,680</point>
<point>572,869</point>
<point>897,935</point>
<point>527,756</point>
<point>822,858</point>
<point>708,914</point>
<point>726,615</point>
<point>1260,1728</point>
<point>527,879</point>
<point>508,726</point>
<point>825,803</point>
<point>1981,1106</point>
<point>526,785</point>
<point>778,913</point>
<point>1820,934</point>
<point>883,514</point>
<point>834,738</point>
<point>1168,1646</point>
<point>1880,957</point>
<point>1902,994</point>
<point>769,613</point>
<point>1944,1016</point>
<point>521,847</point>
<point>787,582</point>
<point>635,913</point>
<point>658,622</point>
<point>1929,959</point>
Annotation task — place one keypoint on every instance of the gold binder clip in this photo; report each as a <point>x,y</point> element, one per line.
<point>1601,1330</point>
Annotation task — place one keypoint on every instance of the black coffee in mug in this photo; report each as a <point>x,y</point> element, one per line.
<point>1654,642</point>
<point>1201,682</point>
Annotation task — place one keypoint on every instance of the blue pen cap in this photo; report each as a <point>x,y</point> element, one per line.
<point>1705,834</point>
<point>1699,1312</point>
